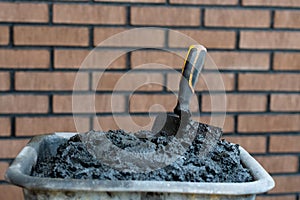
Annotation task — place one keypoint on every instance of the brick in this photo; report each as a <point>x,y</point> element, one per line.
<point>50,81</point>
<point>29,126</point>
<point>128,82</point>
<point>88,14</point>
<point>5,127</point>
<point>10,148</point>
<point>286,61</point>
<point>165,16</point>
<point>285,102</point>
<point>252,144</point>
<point>4,35</point>
<point>157,103</point>
<point>127,123</point>
<point>278,164</point>
<point>140,38</point>
<point>277,197</point>
<point>268,123</point>
<point>237,18</point>
<point>101,34</point>
<point>241,60</point>
<point>3,168</point>
<point>103,103</point>
<point>157,59</point>
<point>236,103</point>
<point>134,1</point>
<point>206,82</point>
<point>23,104</point>
<point>4,81</point>
<point>285,143</point>
<point>205,2</point>
<point>10,192</point>
<point>269,82</point>
<point>286,184</point>
<point>74,59</point>
<point>287,19</point>
<point>286,3</point>
<point>210,39</point>
<point>228,124</point>
<point>36,59</point>
<point>50,36</point>
<point>269,40</point>
<point>23,12</point>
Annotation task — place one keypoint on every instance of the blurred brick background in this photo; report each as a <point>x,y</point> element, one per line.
<point>255,44</point>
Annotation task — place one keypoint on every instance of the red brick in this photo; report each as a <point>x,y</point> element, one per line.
<point>48,36</point>
<point>5,126</point>
<point>207,81</point>
<point>228,124</point>
<point>23,104</point>
<point>165,16</point>
<point>24,59</point>
<point>4,35</point>
<point>128,81</point>
<point>252,144</point>
<point>279,164</point>
<point>23,12</point>
<point>285,102</point>
<point>205,2</point>
<point>101,34</point>
<point>4,81</point>
<point>285,143</point>
<point>74,59</point>
<point>286,61</point>
<point>127,123</point>
<point>241,60</point>
<point>285,3</point>
<point>269,40</point>
<point>29,126</point>
<point>3,168</point>
<point>269,82</point>
<point>237,18</point>
<point>144,103</point>
<point>286,184</point>
<point>236,103</point>
<point>287,19</point>
<point>10,192</point>
<point>88,14</point>
<point>50,81</point>
<point>103,103</point>
<point>134,1</point>
<point>157,59</point>
<point>210,39</point>
<point>141,38</point>
<point>277,197</point>
<point>10,148</point>
<point>268,123</point>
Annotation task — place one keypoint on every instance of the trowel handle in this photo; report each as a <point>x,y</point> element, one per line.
<point>190,72</point>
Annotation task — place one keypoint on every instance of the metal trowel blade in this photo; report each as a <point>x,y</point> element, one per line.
<point>167,123</point>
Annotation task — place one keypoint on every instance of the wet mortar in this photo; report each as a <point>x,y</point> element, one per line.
<point>220,163</point>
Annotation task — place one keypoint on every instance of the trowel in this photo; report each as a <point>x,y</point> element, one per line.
<point>171,124</point>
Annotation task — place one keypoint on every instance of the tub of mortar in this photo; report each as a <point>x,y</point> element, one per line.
<point>54,188</point>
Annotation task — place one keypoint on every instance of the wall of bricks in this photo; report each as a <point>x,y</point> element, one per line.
<point>254,43</point>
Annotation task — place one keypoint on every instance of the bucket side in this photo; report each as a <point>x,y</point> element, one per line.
<point>62,195</point>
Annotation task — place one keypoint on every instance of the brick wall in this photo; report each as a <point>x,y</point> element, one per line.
<point>255,44</point>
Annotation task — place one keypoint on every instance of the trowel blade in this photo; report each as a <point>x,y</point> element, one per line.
<point>168,123</point>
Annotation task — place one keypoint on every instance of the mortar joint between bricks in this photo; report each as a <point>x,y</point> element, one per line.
<point>271,61</point>
<point>50,13</point>
<point>202,17</point>
<point>128,15</point>
<point>272,19</point>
